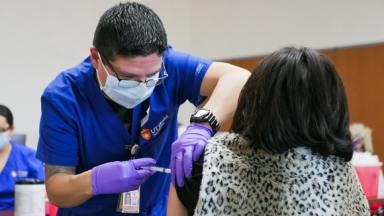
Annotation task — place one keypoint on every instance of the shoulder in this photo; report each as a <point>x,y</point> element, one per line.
<point>70,86</point>
<point>173,58</point>
<point>229,140</point>
<point>23,150</point>
<point>70,77</point>
<point>230,145</point>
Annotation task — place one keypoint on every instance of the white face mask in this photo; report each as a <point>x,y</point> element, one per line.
<point>127,97</point>
<point>4,139</point>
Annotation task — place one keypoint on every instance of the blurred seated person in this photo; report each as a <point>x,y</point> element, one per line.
<point>362,137</point>
<point>17,162</point>
<point>288,151</point>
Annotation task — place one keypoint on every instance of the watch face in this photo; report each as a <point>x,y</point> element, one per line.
<point>200,113</point>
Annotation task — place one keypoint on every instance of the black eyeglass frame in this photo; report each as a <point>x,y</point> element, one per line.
<point>159,79</point>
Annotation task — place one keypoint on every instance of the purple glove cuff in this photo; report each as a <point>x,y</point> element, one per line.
<point>95,170</point>
<point>194,126</point>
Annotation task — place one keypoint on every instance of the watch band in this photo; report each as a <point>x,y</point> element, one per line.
<point>207,116</point>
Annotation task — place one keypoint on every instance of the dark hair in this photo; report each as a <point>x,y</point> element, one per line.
<point>128,30</point>
<point>4,111</point>
<point>295,98</point>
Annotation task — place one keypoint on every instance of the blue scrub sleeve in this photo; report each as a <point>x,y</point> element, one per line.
<point>189,72</point>
<point>58,129</point>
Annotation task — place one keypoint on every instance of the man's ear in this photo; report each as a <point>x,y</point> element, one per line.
<point>94,57</point>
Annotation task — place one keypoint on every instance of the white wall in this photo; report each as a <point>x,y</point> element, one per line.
<point>225,29</point>
<point>40,38</point>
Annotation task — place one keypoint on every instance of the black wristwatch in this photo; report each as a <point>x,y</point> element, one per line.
<point>205,115</point>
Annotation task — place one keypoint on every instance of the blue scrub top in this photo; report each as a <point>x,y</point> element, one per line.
<point>79,128</point>
<point>21,164</point>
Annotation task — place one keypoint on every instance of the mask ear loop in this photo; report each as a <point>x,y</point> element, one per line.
<point>98,78</point>
<point>97,72</point>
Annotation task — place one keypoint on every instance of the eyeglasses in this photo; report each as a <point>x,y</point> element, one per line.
<point>4,130</point>
<point>127,83</point>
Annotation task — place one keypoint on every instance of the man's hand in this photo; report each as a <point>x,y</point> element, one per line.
<point>120,176</point>
<point>187,149</point>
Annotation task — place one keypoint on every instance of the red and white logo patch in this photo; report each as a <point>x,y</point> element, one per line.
<point>146,134</point>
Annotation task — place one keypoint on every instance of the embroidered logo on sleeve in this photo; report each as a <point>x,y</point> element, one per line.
<point>198,68</point>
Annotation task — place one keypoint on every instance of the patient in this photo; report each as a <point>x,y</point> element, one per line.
<point>288,151</point>
<point>17,162</point>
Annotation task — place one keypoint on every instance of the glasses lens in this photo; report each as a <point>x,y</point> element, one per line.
<point>151,82</point>
<point>165,75</point>
<point>128,83</point>
<point>160,80</point>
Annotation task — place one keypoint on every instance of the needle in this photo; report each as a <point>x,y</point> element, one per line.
<point>158,169</point>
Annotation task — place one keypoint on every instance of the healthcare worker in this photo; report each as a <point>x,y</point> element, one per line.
<point>116,112</point>
<point>17,162</point>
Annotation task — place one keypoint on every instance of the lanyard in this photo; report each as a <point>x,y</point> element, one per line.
<point>141,111</point>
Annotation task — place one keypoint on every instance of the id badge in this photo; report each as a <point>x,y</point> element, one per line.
<point>129,202</point>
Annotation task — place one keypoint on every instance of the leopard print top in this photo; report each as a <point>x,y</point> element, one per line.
<point>240,181</point>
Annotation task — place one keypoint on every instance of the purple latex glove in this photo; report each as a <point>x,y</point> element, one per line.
<point>187,149</point>
<point>120,176</point>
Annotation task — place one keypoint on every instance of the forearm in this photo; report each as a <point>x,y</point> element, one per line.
<point>224,98</point>
<point>69,190</point>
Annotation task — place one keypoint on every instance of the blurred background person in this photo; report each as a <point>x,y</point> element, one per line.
<point>288,151</point>
<point>17,162</point>
<point>362,137</point>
